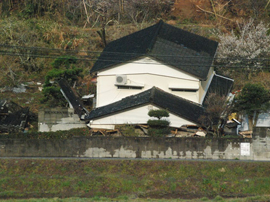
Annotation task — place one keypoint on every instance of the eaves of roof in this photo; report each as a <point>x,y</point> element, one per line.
<point>72,97</point>
<point>220,85</point>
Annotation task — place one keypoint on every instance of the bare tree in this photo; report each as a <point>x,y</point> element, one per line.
<point>215,106</point>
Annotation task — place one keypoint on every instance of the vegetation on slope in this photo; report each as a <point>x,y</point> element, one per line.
<point>50,29</point>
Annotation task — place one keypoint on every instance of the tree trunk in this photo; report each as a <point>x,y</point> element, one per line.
<point>102,34</point>
<point>250,123</point>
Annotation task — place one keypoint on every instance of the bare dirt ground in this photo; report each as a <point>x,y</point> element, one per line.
<point>222,13</point>
<point>187,9</point>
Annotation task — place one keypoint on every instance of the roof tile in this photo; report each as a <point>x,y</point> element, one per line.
<point>159,41</point>
<point>174,104</point>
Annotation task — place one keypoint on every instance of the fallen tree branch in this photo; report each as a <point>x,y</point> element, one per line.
<point>213,7</point>
<point>267,5</point>
<point>213,13</point>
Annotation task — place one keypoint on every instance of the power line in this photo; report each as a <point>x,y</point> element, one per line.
<point>133,62</point>
<point>38,52</point>
<point>122,53</point>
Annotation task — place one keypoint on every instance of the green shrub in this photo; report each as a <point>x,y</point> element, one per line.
<point>204,199</point>
<point>158,123</point>
<point>128,130</point>
<point>158,128</point>
<point>218,198</point>
<point>159,113</point>
<point>62,68</point>
<point>65,60</point>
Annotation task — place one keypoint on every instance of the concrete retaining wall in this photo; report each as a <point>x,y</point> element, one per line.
<point>257,148</point>
<point>54,119</point>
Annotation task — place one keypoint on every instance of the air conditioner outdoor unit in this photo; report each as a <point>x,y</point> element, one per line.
<point>121,79</point>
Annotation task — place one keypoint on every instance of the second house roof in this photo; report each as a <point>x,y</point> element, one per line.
<point>176,105</point>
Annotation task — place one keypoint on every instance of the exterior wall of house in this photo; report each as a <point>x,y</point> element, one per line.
<point>263,121</point>
<point>205,84</point>
<point>134,116</point>
<point>147,73</point>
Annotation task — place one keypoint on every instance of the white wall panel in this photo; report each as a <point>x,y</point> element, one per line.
<point>151,75</point>
<point>135,116</point>
<point>147,66</point>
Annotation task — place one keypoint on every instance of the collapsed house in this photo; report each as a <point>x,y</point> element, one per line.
<point>54,119</point>
<point>13,118</point>
<point>160,67</point>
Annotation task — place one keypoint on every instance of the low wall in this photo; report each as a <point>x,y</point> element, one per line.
<point>257,148</point>
<point>54,119</point>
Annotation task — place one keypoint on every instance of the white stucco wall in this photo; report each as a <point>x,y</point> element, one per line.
<point>205,85</point>
<point>135,116</point>
<point>148,73</point>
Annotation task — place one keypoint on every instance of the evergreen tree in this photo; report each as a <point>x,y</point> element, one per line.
<point>252,100</point>
<point>158,127</point>
<point>63,67</point>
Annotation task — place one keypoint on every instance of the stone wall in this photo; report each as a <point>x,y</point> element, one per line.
<point>261,143</point>
<point>257,148</point>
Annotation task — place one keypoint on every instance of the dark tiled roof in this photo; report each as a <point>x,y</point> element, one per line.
<point>13,118</point>
<point>72,98</point>
<point>219,85</point>
<point>179,56</point>
<point>3,108</point>
<point>173,46</point>
<point>16,119</point>
<point>174,104</point>
<point>2,102</point>
<point>125,103</point>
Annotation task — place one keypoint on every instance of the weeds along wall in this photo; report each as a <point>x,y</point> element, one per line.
<point>257,148</point>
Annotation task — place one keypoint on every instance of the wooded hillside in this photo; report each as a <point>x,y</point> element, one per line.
<point>35,33</point>
<point>96,12</point>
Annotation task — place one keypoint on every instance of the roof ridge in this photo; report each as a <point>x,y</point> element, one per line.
<point>152,94</point>
<point>152,43</point>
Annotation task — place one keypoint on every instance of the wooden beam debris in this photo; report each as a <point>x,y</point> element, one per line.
<point>213,13</point>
